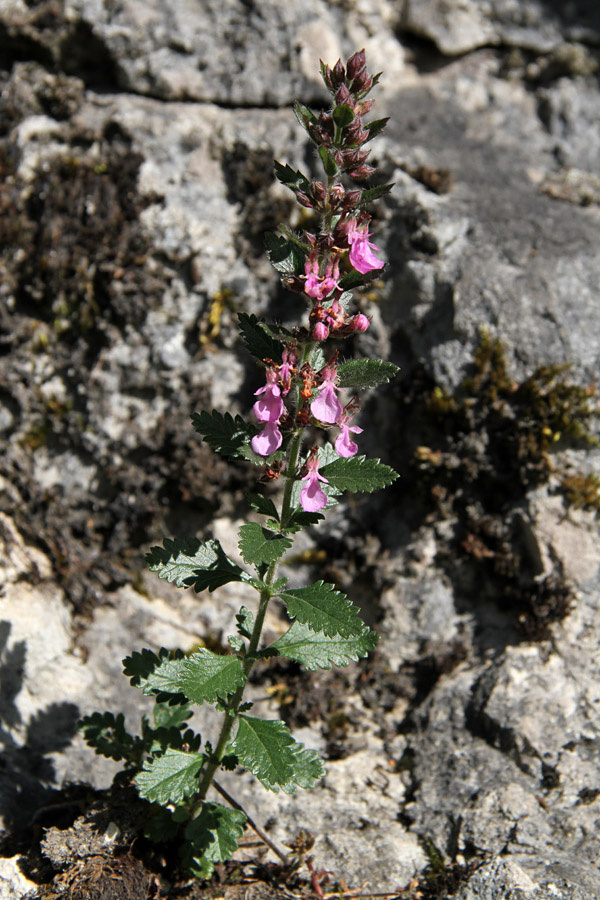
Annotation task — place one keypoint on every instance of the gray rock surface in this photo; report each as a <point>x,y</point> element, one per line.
<point>136,148</point>
<point>457,26</point>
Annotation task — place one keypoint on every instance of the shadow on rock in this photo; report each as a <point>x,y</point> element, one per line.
<point>27,773</point>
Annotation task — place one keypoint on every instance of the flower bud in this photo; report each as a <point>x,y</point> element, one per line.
<point>338,74</point>
<point>363,107</point>
<point>361,172</point>
<point>359,322</point>
<point>337,192</point>
<point>319,191</point>
<point>361,86</point>
<point>353,198</point>
<point>304,200</point>
<point>343,95</point>
<point>356,132</point>
<point>320,332</point>
<point>356,64</point>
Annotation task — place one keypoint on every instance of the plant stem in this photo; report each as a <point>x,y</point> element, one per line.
<point>231,713</point>
<point>292,462</point>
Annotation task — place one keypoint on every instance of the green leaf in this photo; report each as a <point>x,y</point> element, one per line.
<point>329,163</point>
<point>164,678</point>
<point>258,340</point>
<point>213,836</point>
<point>376,127</point>
<point>259,545</point>
<point>343,115</point>
<point>226,435</point>
<point>187,562</point>
<point>299,519</point>
<point>360,374</point>
<point>358,474</point>
<point>106,733</point>
<point>374,193</point>
<point>170,778</point>
<point>268,750</point>
<point>317,358</point>
<point>263,505</point>
<point>324,609</point>
<point>354,279</point>
<point>308,768</point>
<point>203,676</point>
<point>245,622</point>
<point>206,676</point>
<point>305,117</point>
<point>284,255</point>
<point>315,650</point>
<point>167,716</point>
<point>291,178</point>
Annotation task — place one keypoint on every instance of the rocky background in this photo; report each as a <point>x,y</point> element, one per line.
<point>136,146</point>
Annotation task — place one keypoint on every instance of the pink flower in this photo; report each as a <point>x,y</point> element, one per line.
<point>362,257</point>
<point>318,286</point>
<point>326,407</point>
<point>344,445</point>
<point>268,440</point>
<point>270,407</point>
<point>312,497</point>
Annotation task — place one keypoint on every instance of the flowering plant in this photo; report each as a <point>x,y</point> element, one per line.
<point>308,388</point>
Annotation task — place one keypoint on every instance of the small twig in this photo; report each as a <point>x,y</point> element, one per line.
<point>264,837</point>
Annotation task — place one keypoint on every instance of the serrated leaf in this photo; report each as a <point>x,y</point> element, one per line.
<point>308,768</point>
<point>316,650</point>
<point>207,676</point>
<point>343,115</point>
<point>258,545</point>
<point>263,505</point>
<point>329,163</point>
<point>324,609</point>
<point>358,474</point>
<point>213,837</point>
<point>268,750</point>
<point>187,562</point>
<point>374,193</point>
<point>360,374</point>
<point>258,340</point>
<point>291,178</point>
<point>170,778</point>
<point>235,642</point>
<point>226,435</point>
<point>284,255</point>
<point>376,127</point>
